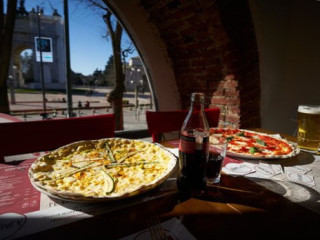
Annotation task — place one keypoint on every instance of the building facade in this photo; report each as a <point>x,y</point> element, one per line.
<point>135,76</point>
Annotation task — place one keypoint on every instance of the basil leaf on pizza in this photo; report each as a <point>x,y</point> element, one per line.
<point>104,169</point>
<point>251,144</point>
<point>252,150</point>
<point>261,142</point>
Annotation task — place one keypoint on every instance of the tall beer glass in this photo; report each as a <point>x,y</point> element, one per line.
<point>309,127</point>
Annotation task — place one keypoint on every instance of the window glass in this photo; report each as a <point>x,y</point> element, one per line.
<point>41,80</point>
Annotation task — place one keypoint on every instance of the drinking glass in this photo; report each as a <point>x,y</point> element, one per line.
<point>217,153</point>
<point>309,127</point>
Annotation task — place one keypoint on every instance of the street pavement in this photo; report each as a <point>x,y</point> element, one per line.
<point>32,104</point>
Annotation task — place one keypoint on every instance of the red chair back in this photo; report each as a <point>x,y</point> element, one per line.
<point>34,136</point>
<point>168,121</point>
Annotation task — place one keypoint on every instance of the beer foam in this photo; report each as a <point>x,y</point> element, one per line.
<point>311,109</point>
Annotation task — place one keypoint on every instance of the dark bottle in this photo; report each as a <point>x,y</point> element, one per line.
<point>193,148</point>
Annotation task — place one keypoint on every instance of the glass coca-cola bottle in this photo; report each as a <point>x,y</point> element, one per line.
<point>193,148</point>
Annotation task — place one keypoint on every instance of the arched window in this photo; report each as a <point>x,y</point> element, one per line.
<point>92,63</point>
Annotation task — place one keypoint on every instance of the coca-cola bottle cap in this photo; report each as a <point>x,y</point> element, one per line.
<point>197,96</point>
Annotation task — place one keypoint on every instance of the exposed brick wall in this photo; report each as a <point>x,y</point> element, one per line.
<point>213,49</point>
<point>226,96</point>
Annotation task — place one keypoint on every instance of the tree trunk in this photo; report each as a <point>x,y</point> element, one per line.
<point>116,104</point>
<point>6,31</point>
<point>116,95</point>
<point>119,84</point>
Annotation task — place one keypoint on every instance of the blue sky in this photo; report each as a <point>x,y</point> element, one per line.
<point>88,49</point>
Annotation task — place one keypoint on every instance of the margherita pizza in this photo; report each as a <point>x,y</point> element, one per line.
<point>104,169</point>
<point>250,144</point>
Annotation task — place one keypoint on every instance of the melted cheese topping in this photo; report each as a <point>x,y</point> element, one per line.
<point>87,168</point>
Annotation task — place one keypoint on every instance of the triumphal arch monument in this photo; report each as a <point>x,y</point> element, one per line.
<point>44,36</point>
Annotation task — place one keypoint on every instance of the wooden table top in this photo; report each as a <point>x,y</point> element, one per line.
<point>239,209</point>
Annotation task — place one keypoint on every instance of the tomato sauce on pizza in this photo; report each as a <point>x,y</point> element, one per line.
<point>245,143</point>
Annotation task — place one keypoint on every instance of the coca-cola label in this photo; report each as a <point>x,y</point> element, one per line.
<point>189,144</point>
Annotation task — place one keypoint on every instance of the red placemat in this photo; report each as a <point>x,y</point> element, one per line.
<point>16,191</point>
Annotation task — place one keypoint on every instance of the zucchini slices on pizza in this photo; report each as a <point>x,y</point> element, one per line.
<point>104,169</point>
<point>251,144</point>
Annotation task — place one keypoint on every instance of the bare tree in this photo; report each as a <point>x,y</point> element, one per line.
<point>7,22</point>
<point>115,31</point>
<point>116,95</point>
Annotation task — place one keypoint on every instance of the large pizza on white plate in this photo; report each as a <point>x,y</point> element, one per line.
<point>101,170</point>
<point>255,145</point>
